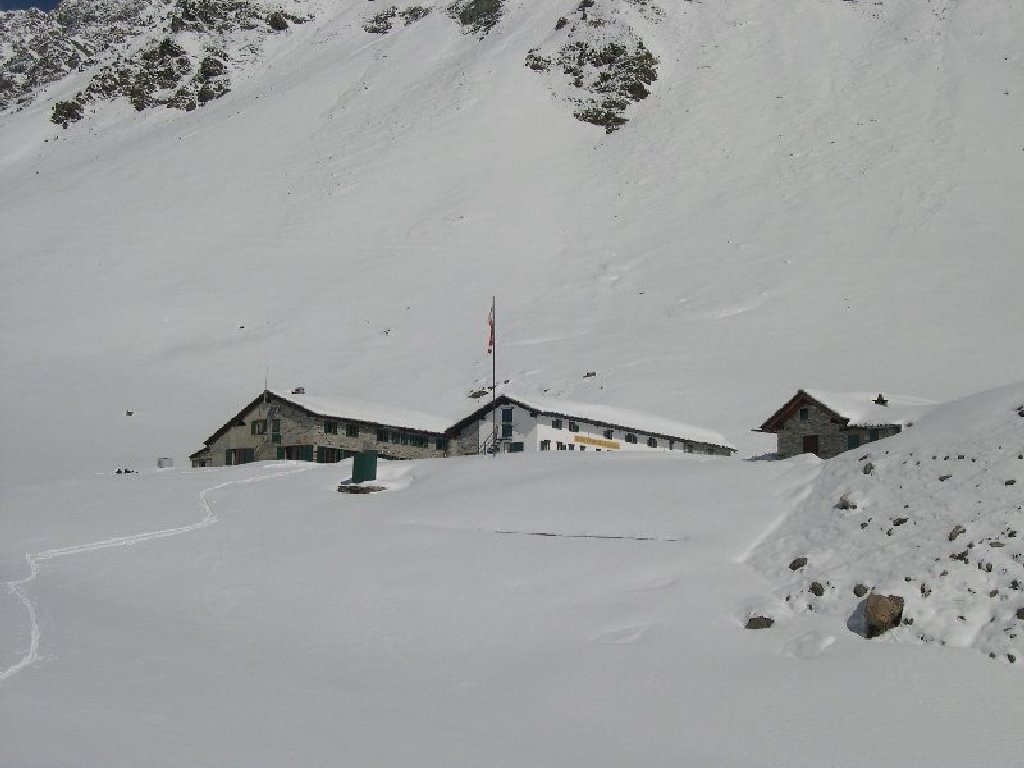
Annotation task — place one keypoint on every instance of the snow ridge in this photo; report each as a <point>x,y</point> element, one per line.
<point>18,587</point>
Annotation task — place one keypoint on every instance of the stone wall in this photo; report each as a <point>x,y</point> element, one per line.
<point>832,436</point>
<point>301,429</point>
<point>467,441</point>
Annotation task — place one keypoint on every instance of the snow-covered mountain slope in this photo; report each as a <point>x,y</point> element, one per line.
<point>933,515</point>
<point>813,194</point>
<point>253,616</point>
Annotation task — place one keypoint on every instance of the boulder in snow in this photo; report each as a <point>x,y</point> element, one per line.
<point>882,613</point>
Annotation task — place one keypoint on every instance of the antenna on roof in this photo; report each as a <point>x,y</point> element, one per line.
<point>880,400</point>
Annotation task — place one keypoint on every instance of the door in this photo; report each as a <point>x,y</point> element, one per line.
<point>811,444</point>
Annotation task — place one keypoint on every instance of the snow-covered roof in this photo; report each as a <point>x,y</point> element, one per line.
<point>342,408</point>
<point>862,410</point>
<point>623,418</point>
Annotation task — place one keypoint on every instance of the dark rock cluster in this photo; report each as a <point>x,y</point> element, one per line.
<point>81,36</point>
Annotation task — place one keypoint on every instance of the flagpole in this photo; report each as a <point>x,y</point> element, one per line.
<point>494,380</point>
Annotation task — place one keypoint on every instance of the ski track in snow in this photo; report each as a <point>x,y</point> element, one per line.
<point>18,587</point>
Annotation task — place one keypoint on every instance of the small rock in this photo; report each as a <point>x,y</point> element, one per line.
<point>1010,482</point>
<point>944,478</point>
<point>860,590</point>
<point>798,563</point>
<point>868,468</point>
<point>899,521</point>
<point>957,530</point>
<point>882,613</point>
<point>759,622</point>
<point>1020,614</point>
<point>845,503</point>
<point>817,589</point>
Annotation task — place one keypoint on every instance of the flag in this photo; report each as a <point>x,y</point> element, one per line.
<point>490,330</point>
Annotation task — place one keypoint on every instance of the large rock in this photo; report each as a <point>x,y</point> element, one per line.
<point>882,613</point>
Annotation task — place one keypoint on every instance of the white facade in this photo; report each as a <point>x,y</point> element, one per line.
<point>525,429</point>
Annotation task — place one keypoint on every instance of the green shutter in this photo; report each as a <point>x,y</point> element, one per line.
<point>275,425</point>
<point>227,458</point>
<point>252,427</point>
<point>307,452</point>
<point>280,452</point>
<point>321,455</point>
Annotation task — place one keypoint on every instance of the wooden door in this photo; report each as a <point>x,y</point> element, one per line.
<point>811,444</point>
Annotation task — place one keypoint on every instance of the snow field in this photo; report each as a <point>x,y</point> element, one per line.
<point>430,625</point>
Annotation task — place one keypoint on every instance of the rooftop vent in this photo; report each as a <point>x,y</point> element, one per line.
<point>302,391</point>
<point>880,400</point>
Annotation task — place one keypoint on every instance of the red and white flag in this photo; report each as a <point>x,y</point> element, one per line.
<point>490,330</point>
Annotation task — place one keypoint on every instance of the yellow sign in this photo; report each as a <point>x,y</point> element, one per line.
<point>611,445</point>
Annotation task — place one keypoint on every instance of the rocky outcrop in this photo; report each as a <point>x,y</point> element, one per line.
<point>606,65</point>
<point>186,64</point>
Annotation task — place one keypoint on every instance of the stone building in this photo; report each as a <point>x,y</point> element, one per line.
<point>527,424</point>
<point>273,426</point>
<point>829,423</point>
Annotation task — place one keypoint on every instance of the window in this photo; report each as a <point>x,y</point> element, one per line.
<point>239,456</point>
<point>330,427</point>
<point>671,445</point>
<point>583,447</point>
<point>688,447</point>
<point>652,442</point>
<point>574,427</point>
<point>506,430</point>
<point>276,437</point>
<point>572,447</point>
<point>328,455</point>
<point>382,435</point>
<point>396,437</point>
<point>804,414</point>
<point>441,444</point>
<point>556,423</point>
<point>506,415</point>
<point>630,437</point>
<point>258,427</point>
<point>351,430</point>
<point>560,446</point>
<point>608,433</point>
<point>275,425</point>
<point>515,447</point>
<point>545,445</point>
<point>873,434</point>
<point>852,441</point>
<point>296,452</point>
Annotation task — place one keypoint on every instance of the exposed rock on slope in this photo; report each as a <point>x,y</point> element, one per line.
<point>39,48</point>
<point>605,63</point>
<point>188,66</point>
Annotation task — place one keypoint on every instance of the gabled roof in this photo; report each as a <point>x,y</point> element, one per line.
<point>604,416</point>
<point>852,409</point>
<point>344,409</point>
